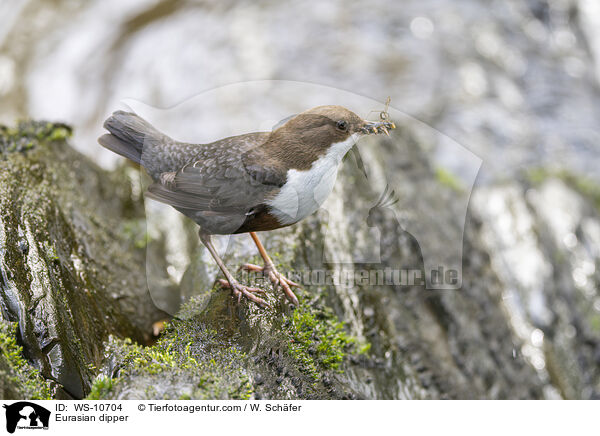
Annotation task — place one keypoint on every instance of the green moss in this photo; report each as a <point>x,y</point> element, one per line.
<point>135,231</point>
<point>318,340</point>
<point>178,359</point>
<point>59,133</point>
<point>585,186</point>
<point>166,355</point>
<point>446,178</point>
<point>364,348</point>
<point>20,373</point>
<point>50,251</point>
<point>27,133</point>
<point>101,388</point>
<point>313,336</point>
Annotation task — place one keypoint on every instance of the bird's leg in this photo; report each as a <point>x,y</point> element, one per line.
<point>269,270</point>
<point>237,288</point>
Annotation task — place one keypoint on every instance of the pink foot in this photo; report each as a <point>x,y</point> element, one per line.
<point>248,292</point>
<point>277,279</point>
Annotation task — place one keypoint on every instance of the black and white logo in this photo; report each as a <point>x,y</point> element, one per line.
<point>26,415</point>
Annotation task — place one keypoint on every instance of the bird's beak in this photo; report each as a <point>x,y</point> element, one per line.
<point>376,127</point>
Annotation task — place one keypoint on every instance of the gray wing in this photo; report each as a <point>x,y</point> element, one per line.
<point>220,192</point>
<point>216,186</point>
<point>227,182</point>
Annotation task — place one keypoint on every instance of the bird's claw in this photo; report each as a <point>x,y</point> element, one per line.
<point>286,284</point>
<point>240,291</point>
<point>277,279</point>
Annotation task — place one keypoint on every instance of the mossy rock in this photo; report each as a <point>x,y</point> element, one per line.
<point>18,378</point>
<point>217,348</point>
<point>69,276</point>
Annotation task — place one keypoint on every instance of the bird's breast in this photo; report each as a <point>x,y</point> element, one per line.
<point>304,191</point>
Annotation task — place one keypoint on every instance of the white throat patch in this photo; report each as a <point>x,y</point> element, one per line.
<point>305,191</point>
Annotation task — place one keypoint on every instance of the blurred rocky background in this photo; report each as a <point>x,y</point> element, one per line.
<point>513,82</point>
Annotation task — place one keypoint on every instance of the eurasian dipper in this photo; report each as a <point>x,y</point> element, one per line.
<point>247,183</point>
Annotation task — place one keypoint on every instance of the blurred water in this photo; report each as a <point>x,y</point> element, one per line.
<point>514,81</point>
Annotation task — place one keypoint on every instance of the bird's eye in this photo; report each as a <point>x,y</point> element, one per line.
<point>342,125</point>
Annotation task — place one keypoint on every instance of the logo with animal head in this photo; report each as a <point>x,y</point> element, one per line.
<point>26,415</point>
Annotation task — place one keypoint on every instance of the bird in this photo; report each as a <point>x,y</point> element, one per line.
<point>259,181</point>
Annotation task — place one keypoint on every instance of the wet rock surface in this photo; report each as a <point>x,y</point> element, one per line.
<point>69,274</point>
<point>544,246</point>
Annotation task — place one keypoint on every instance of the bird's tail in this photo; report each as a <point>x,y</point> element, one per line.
<point>129,135</point>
